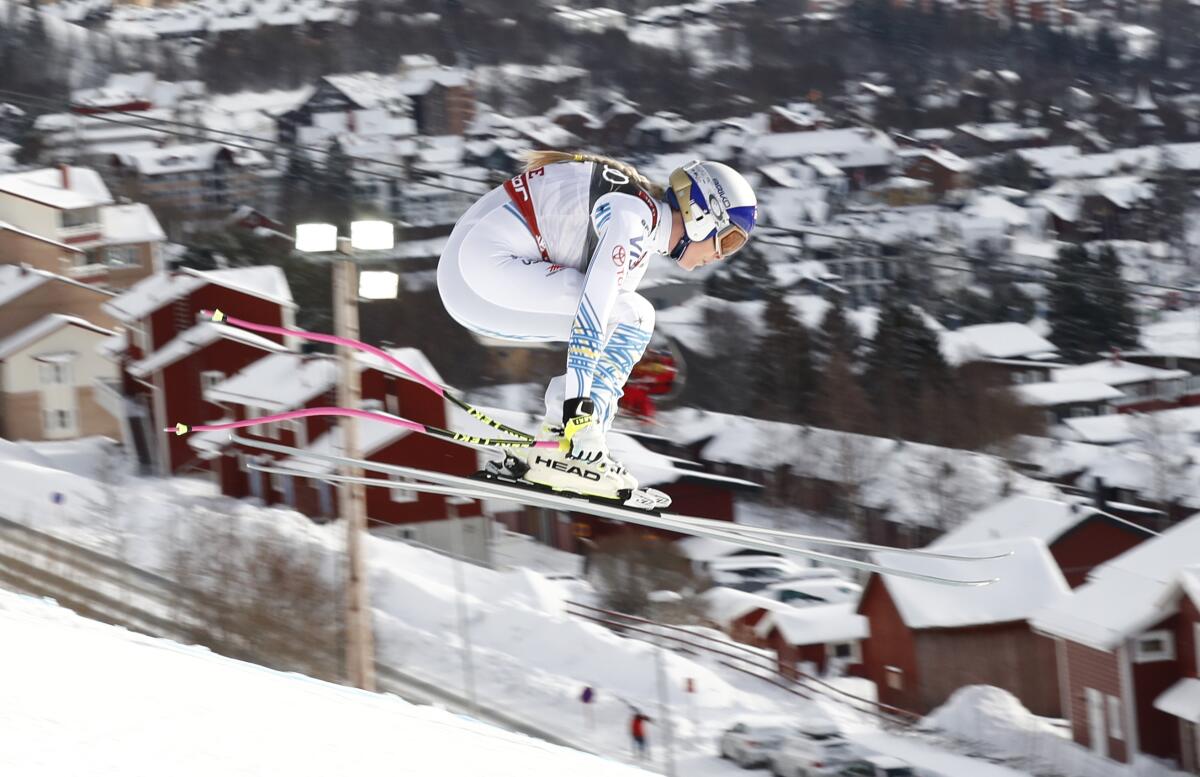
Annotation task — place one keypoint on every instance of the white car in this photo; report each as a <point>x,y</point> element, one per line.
<point>751,745</point>
<point>817,750</point>
<point>877,766</point>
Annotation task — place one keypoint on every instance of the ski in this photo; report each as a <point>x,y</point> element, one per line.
<point>534,497</point>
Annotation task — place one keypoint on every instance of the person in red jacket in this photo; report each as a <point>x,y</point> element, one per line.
<point>637,729</point>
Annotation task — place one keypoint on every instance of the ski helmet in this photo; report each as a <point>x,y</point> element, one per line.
<point>716,203</point>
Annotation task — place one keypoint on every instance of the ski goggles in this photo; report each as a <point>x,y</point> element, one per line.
<point>728,240</point>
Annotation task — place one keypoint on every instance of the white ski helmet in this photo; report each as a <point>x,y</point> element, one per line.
<point>716,203</point>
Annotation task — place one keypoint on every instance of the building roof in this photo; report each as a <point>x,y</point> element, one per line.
<point>1125,595</point>
<point>17,281</point>
<point>1114,373</point>
<point>201,335</point>
<point>42,328</point>
<point>150,294</point>
<point>1051,394</point>
<point>1025,516</point>
<point>1181,700</point>
<point>815,625</point>
<point>994,341</point>
<point>1124,427</point>
<point>851,147</point>
<point>187,158</point>
<point>130,223</point>
<point>284,381</point>
<point>6,227</point>
<point>725,605</point>
<point>86,190</point>
<point>1026,581</point>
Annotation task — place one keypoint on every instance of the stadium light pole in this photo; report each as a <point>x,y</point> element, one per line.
<point>324,238</point>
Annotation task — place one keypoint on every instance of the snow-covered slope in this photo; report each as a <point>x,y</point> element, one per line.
<point>84,698</point>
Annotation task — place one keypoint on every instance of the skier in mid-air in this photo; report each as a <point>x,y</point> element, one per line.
<point>556,254</point>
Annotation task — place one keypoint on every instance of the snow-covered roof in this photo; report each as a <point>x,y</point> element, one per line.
<point>148,295</point>
<point>278,382</point>
<point>994,341</point>
<point>1101,429</point>
<point>1004,132</point>
<point>131,223</point>
<point>1051,394</point>
<point>187,158</point>
<point>947,159</point>
<point>1181,700</point>
<point>818,625</point>
<point>284,381</point>
<point>43,328</point>
<point>1125,595</point>
<point>1026,581</point>
<point>6,227</point>
<point>372,436</point>
<point>1023,516</point>
<point>86,188</point>
<point>17,281</point>
<point>201,335</point>
<point>851,147</point>
<point>725,605</point>
<point>1114,373</point>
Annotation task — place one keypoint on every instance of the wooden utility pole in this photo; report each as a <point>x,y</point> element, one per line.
<point>360,640</point>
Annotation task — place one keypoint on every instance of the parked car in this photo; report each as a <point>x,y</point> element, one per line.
<point>817,749</point>
<point>750,745</point>
<point>877,766</point>
<point>803,592</point>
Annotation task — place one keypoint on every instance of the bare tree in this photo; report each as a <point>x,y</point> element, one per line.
<point>628,567</point>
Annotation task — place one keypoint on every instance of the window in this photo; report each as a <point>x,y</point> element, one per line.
<point>78,217</point>
<point>1114,718</point>
<point>402,495</point>
<point>1154,646</point>
<point>54,374</point>
<point>895,677</point>
<point>122,256</point>
<point>210,378</point>
<point>55,422</point>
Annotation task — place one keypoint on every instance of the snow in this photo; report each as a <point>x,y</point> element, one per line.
<point>1124,427</point>
<point>150,294</point>
<point>86,189</point>
<point>17,281</point>
<point>817,625</point>
<point>1026,581</point>
<point>280,381</point>
<point>188,158</point>
<point>851,147</point>
<point>994,341</point>
<point>1052,393</point>
<point>1177,333</point>
<point>531,661</point>
<point>982,713</point>
<point>200,336</point>
<point>1018,516</point>
<point>132,223</point>
<point>83,697</point>
<point>42,328</point>
<point>1181,700</point>
<point>1124,595</point>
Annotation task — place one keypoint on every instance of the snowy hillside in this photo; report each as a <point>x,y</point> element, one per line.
<point>85,698</point>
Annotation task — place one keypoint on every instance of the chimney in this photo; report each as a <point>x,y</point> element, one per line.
<point>65,171</point>
<point>1116,356</point>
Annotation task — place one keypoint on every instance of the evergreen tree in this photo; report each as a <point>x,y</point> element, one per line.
<point>840,402</point>
<point>1071,313</point>
<point>903,363</point>
<point>784,378</point>
<point>299,188</point>
<point>336,189</point>
<point>1115,314</point>
<point>1090,310</point>
<point>836,334</point>
<point>744,277</point>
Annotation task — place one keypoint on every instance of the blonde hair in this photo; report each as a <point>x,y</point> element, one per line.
<point>536,159</point>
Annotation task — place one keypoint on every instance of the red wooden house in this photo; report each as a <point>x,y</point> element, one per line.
<point>1079,536</point>
<point>1127,646</point>
<point>927,640</point>
<point>169,352</point>
<point>290,381</point>
<point>823,636</point>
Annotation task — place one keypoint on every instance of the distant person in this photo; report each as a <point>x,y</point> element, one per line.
<point>637,730</point>
<point>555,255</point>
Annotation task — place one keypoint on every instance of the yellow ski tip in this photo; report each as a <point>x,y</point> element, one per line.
<point>181,429</point>
<point>218,316</point>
